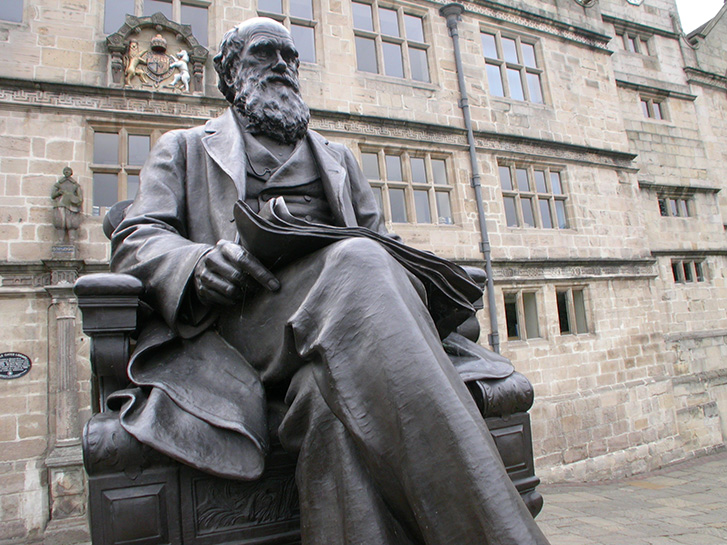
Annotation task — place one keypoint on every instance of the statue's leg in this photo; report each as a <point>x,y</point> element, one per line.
<point>340,503</point>
<point>360,324</point>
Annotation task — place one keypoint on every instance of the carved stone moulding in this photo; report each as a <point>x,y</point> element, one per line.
<point>146,53</point>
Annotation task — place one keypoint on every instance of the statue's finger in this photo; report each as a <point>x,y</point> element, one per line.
<point>250,265</point>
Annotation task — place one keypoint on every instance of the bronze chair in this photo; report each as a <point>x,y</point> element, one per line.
<point>139,496</point>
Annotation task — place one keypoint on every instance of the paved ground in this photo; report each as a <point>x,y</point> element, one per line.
<point>685,504</point>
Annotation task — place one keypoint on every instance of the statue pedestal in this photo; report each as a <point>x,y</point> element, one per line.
<point>67,488</point>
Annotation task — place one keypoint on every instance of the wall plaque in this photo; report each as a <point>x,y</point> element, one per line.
<point>13,365</point>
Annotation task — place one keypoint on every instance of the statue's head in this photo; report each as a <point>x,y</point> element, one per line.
<point>258,73</point>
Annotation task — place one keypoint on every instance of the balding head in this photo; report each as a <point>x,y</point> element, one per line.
<point>233,44</point>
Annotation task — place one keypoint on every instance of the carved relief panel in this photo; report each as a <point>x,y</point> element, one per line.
<point>156,54</point>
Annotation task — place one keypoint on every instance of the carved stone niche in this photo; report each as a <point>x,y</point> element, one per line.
<point>146,53</point>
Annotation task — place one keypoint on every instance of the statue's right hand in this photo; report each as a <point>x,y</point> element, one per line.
<point>221,275</point>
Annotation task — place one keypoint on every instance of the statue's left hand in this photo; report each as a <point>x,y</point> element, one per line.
<point>220,277</point>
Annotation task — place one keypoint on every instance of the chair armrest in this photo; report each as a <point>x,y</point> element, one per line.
<point>109,304</point>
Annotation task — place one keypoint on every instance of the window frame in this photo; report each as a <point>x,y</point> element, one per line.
<point>522,315</point>
<point>504,65</point>
<point>689,271</point>
<point>288,20</point>
<point>22,13</point>
<point>176,14</point>
<point>384,185</point>
<point>675,206</point>
<point>653,108</point>
<point>572,312</point>
<point>533,195</point>
<point>405,43</point>
<point>642,43</point>
<point>122,169</point>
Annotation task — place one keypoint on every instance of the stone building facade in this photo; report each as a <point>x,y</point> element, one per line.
<point>600,133</point>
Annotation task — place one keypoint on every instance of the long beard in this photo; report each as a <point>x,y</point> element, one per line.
<point>273,107</point>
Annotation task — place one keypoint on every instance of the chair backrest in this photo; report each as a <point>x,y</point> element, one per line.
<point>114,216</point>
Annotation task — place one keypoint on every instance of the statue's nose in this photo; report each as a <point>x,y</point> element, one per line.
<point>279,65</point>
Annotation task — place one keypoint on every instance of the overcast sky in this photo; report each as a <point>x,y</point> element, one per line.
<point>695,12</point>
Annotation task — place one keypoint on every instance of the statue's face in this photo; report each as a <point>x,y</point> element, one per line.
<point>269,57</point>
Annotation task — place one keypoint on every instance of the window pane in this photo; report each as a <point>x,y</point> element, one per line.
<point>540,181</point>
<point>370,165</point>
<point>630,44</point>
<point>414,28</point>
<point>494,79</point>
<point>114,16</point>
<point>366,55</point>
<point>510,213</point>
<point>673,207</point>
<point>529,55</point>
<point>657,110</point>
<point>421,204</point>
<point>562,300</point>
<point>398,208</point>
<point>106,148</point>
<point>531,315</point>
<point>444,208</point>
<point>138,149</point>
<point>271,6</point>
<point>377,196</point>
<point>545,215</point>
<point>418,171</point>
<point>389,22</point>
<point>522,179</point>
<point>105,189</point>
<point>304,38</point>
<point>153,6</point>
<point>516,84</point>
<point>700,271</point>
<point>362,17</point>
<point>580,310</point>
<point>536,92</point>
<point>505,179</point>
<point>676,271</point>
<point>393,168</point>
<point>393,64</point>
<point>509,50</point>
<point>555,184</point>
<point>489,46</point>
<point>513,329</point>
<point>645,108</point>
<point>197,17</point>
<point>683,210</point>
<point>688,271</point>
<point>302,9</point>
<point>663,210</point>
<point>439,171</point>
<point>419,66</point>
<point>132,186</point>
<point>528,216</point>
<point>560,214</point>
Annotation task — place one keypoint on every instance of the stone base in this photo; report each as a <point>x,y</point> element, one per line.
<point>66,531</point>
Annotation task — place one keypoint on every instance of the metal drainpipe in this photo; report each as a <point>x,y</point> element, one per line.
<point>452,12</point>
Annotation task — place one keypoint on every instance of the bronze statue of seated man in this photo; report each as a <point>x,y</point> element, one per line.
<point>391,447</point>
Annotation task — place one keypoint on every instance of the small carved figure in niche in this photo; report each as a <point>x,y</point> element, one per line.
<point>181,64</point>
<point>133,60</point>
<point>67,201</point>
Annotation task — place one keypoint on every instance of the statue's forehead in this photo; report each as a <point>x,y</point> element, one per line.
<point>269,35</point>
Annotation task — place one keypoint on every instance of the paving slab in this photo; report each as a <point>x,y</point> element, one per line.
<point>683,504</point>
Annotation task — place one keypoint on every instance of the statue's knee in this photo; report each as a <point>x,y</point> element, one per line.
<point>360,250</point>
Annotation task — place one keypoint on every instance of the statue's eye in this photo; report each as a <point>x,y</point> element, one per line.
<point>264,51</point>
